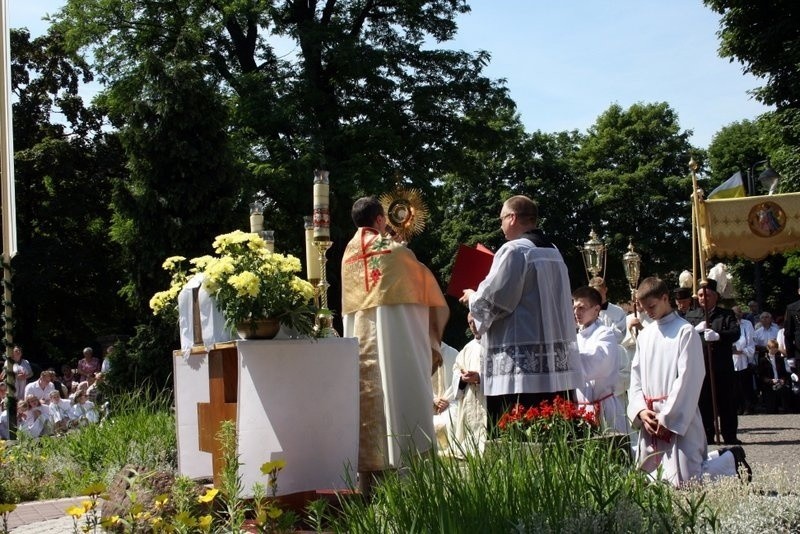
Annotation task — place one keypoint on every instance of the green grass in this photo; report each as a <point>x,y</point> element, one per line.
<point>557,488</point>
<point>140,431</point>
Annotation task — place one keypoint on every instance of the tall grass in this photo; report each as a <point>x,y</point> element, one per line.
<point>139,431</point>
<point>559,487</point>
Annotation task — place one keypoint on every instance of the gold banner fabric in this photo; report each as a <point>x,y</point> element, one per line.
<point>750,227</point>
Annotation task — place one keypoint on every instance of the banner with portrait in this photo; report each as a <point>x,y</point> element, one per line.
<point>749,227</point>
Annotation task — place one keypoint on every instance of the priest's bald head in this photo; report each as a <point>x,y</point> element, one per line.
<point>518,215</point>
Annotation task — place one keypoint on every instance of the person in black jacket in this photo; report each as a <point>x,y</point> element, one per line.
<point>718,335</point>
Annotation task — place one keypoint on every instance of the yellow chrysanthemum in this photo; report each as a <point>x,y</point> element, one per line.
<point>303,287</point>
<point>246,284</point>
<point>201,262</point>
<point>208,496</point>
<point>87,505</point>
<point>171,262</point>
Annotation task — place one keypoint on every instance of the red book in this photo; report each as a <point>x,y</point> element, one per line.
<point>470,268</point>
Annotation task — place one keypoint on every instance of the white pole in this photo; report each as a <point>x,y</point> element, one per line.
<point>9,210</point>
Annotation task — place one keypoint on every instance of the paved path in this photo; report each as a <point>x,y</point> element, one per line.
<point>770,441</point>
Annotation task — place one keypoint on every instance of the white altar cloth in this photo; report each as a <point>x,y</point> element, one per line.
<point>298,401</point>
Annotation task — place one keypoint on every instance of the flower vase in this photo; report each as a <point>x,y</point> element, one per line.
<point>258,328</point>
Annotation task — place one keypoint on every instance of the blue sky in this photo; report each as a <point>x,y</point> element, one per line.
<point>567,61</point>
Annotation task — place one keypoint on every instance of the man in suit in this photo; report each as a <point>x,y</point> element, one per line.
<point>719,330</point>
<point>791,328</point>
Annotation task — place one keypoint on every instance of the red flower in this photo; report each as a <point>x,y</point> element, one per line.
<point>537,421</point>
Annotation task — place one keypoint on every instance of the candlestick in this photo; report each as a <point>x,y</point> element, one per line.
<point>324,319</point>
<point>312,255</point>
<point>322,216</point>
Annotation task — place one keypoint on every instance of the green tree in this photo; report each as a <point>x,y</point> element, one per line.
<point>765,38</point>
<point>635,163</point>
<point>66,275</point>
<point>348,85</point>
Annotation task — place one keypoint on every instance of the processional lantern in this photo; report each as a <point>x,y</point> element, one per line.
<point>594,256</point>
<point>632,262</point>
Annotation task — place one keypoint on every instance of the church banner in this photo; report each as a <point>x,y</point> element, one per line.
<point>750,227</point>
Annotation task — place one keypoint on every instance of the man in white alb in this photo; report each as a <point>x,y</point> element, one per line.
<point>666,379</point>
<point>522,312</point>
<point>599,357</point>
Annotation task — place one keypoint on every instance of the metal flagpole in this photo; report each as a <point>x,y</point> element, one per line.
<point>702,261</point>
<point>9,210</point>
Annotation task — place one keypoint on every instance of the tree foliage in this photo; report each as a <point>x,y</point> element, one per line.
<point>635,163</point>
<point>66,274</point>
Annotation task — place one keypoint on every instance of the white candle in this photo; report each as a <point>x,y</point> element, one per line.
<point>256,222</point>
<point>322,217</point>
<point>312,254</point>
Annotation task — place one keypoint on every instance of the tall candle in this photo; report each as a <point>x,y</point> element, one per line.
<point>322,216</point>
<point>312,254</point>
<point>256,216</point>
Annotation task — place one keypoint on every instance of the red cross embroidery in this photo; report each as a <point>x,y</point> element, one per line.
<point>368,237</point>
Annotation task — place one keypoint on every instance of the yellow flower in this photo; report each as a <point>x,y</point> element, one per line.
<point>109,522</point>
<point>171,262</point>
<point>76,511</point>
<point>87,505</point>
<point>204,522</point>
<point>161,500</point>
<point>185,519</point>
<point>201,262</point>
<point>302,287</point>
<point>94,489</point>
<point>7,508</point>
<point>273,466</point>
<point>245,283</point>
<point>208,496</point>
<point>274,512</point>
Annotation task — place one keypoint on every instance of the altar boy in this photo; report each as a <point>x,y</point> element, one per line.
<point>666,379</point>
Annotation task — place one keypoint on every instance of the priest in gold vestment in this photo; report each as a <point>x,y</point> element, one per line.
<point>392,303</point>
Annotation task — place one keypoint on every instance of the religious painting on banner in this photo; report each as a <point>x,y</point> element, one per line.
<point>750,227</point>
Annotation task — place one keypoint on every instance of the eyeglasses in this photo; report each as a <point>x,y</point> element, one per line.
<point>503,217</point>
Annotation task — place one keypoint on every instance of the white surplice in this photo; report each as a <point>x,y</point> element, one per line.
<point>599,361</point>
<point>396,374</point>
<point>668,371</point>
<point>468,429</point>
<point>523,312</point>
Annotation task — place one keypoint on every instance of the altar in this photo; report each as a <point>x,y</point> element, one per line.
<point>292,399</point>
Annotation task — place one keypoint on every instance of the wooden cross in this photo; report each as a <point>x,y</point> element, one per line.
<point>223,378</point>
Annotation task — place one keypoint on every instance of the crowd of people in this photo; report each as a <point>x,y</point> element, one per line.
<point>54,403</point>
<point>675,373</point>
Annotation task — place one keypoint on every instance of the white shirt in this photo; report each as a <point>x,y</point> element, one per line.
<point>35,388</point>
<point>762,335</point>
<point>746,345</point>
